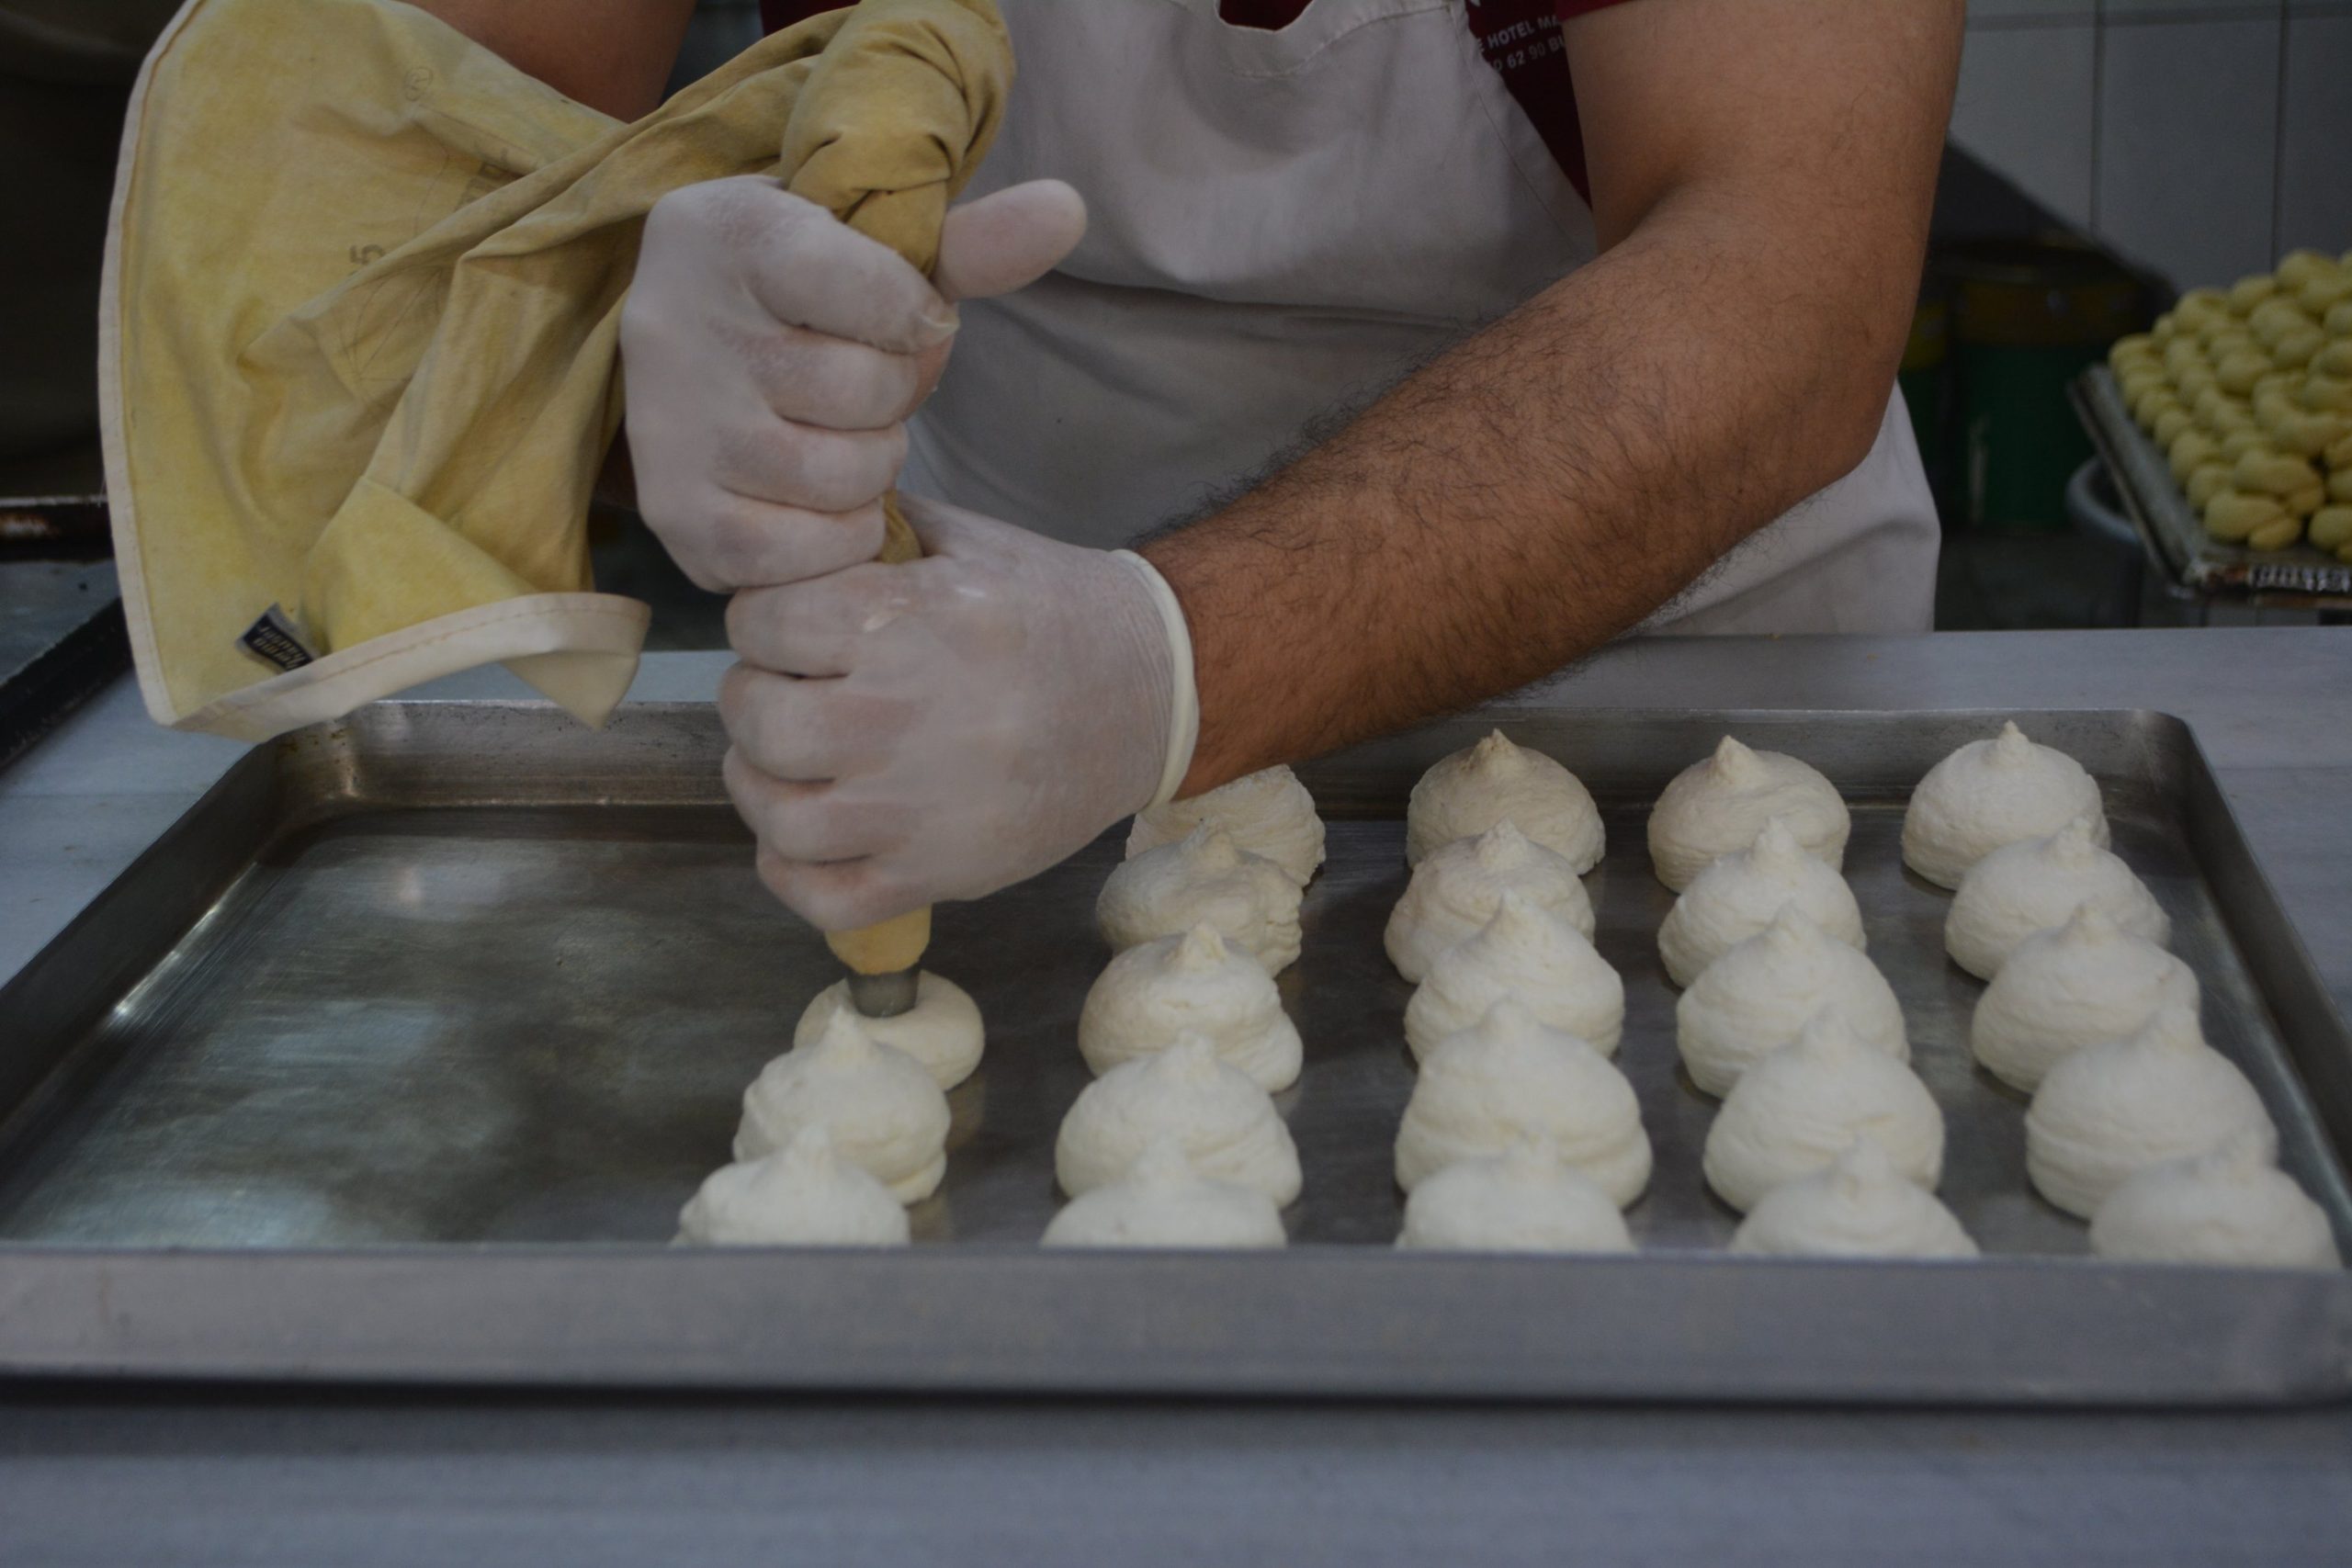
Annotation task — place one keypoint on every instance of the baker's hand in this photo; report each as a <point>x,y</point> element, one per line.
<point>770,355</point>
<point>907,734</point>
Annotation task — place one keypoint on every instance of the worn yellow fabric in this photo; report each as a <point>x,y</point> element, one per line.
<point>359,324</point>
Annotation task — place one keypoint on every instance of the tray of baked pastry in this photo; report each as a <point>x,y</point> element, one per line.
<point>1541,1053</point>
<point>2170,519</point>
<point>2227,428</point>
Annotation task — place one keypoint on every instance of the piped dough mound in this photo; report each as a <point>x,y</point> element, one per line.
<point>802,1195</point>
<point>2036,884</point>
<point>1225,1123</point>
<point>1268,813</point>
<point>1465,794</point>
<point>1525,954</point>
<point>1457,889</point>
<point>1991,793</point>
<point>1800,1107</point>
<point>881,1107</point>
<point>2231,1207</point>
<point>1526,1199</point>
<point>1718,805</point>
<point>1162,1202</point>
<point>2076,985</point>
<point>1758,997</point>
<point>942,1030</point>
<point>1512,1077</point>
<point>1194,984</point>
<point>1860,1207</point>
<point>2110,1110</point>
<point>1737,895</point>
<point>1203,878</point>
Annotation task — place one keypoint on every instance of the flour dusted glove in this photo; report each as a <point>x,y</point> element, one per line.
<point>774,354</point>
<point>939,729</point>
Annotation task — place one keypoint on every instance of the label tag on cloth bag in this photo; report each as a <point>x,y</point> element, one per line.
<point>277,641</point>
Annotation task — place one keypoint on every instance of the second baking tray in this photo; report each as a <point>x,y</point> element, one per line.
<point>2302,575</point>
<point>421,1028</point>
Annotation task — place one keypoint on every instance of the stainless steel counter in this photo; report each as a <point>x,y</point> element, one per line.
<point>121,1474</point>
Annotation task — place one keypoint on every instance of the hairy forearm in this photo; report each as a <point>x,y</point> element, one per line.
<point>1763,171</point>
<point>613,55</point>
<point>1762,175</point>
<point>1534,492</point>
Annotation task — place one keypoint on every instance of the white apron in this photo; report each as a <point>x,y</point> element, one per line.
<point>1281,223</point>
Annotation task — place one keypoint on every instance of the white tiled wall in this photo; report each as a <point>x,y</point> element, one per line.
<point>2200,137</point>
<point>2188,140</point>
<point>2025,106</point>
<point>2315,163</point>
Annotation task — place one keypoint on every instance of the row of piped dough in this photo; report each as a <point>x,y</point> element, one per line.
<point>843,1131</point>
<point>2136,1123</point>
<point>1826,1142</point>
<point>1177,1141</point>
<point>1521,1134</point>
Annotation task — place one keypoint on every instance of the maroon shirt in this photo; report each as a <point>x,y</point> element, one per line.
<point>1520,38</point>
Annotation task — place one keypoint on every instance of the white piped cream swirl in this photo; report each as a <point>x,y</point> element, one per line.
<point>1758,997</point>
<point>2036,884</point>
<point>1525,954</point>
<point>2109,1110</point>
<point>1193,984</point>
<point>1526,1199</point>
<point>1510,1077</point>
<point>1203,878</point>
<point>1737,895</point>
<point>802,1195</point>
<point>1858,1207</point>
<point>1456,889</point>
<point>1990,793</point>
<point>880,1107</point>
<point>2072,985</point>
<point>1718,805</point>
<point>1267,813</point>
<point>1800,1107</point>
<point>1465,794</point>
<point>1161,1201</point>
<point>1225,1123</point>
<point>2231,1206</point>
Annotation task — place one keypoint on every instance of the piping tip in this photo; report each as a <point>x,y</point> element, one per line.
<point>883,996</point>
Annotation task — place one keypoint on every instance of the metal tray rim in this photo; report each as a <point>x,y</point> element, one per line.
<point>1006,1319</point>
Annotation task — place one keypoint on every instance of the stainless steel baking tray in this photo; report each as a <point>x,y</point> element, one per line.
<point>396,1056</point>
<point>2303,575</point>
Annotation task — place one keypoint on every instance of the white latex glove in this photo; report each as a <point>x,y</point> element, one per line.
<point>770,354</point>
<point>907,734</point>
